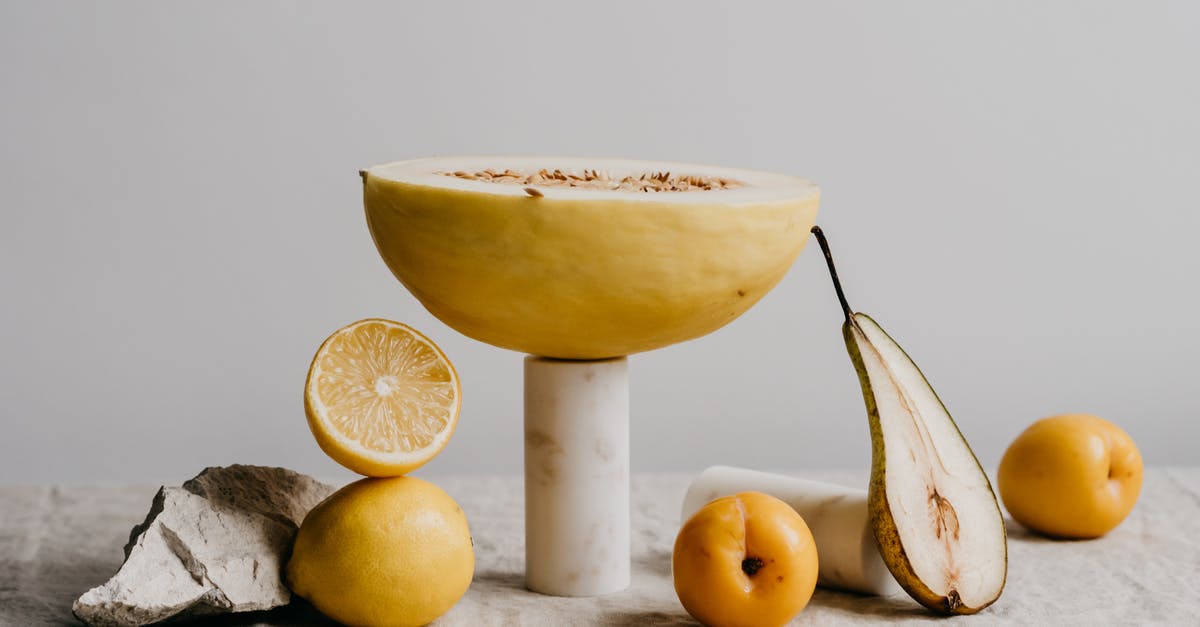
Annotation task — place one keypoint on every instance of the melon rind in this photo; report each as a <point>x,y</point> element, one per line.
<point>584,273</point>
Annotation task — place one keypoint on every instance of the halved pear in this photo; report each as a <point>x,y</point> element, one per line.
<point>932,508</point>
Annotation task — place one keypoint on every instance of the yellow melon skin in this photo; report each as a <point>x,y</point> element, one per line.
<point>582,278</point>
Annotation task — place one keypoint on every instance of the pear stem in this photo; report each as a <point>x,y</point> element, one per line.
<point>837,285</point>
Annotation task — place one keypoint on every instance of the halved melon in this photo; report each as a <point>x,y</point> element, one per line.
<point>585,258</point>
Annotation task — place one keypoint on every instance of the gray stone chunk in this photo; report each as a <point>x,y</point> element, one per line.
<point>217,544</point>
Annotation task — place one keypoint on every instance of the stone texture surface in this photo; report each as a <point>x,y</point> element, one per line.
<point>56,542</point>
<point>577,519</point>
<point>215,545</point>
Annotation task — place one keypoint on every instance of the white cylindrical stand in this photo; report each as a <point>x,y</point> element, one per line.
<point>576,476</point>
<point>837,517</point>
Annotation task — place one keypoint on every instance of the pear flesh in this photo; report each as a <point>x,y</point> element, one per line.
<point>932,508</point>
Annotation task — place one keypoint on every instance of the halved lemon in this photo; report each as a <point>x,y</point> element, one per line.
<point>381,398</point>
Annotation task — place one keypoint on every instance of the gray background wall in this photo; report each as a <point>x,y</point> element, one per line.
<point>1011,188</point>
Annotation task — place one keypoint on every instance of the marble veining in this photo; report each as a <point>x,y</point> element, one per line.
<point>577,540</point>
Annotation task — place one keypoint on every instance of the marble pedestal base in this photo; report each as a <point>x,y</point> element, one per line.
<point>576,476</point>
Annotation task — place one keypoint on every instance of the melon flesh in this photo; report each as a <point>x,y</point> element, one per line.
<point>585,258</point>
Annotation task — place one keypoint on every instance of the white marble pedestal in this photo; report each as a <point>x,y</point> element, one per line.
<point>836,515</point>
<point>576,476</point>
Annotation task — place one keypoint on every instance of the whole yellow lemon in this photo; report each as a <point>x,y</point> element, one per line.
<point>390,552</point>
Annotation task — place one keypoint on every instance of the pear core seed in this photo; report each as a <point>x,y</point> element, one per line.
<point>600,179</point>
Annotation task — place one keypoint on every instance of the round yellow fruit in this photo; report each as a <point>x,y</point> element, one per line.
<point>381,398</point>
<point>1071,476</point>
<point>392,552</point>
<point>585,258</point>
<point>747,560</point>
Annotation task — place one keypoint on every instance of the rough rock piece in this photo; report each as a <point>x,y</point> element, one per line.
<point>215,545</point>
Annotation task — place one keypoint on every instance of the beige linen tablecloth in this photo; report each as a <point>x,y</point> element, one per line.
<point>58,541</point>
